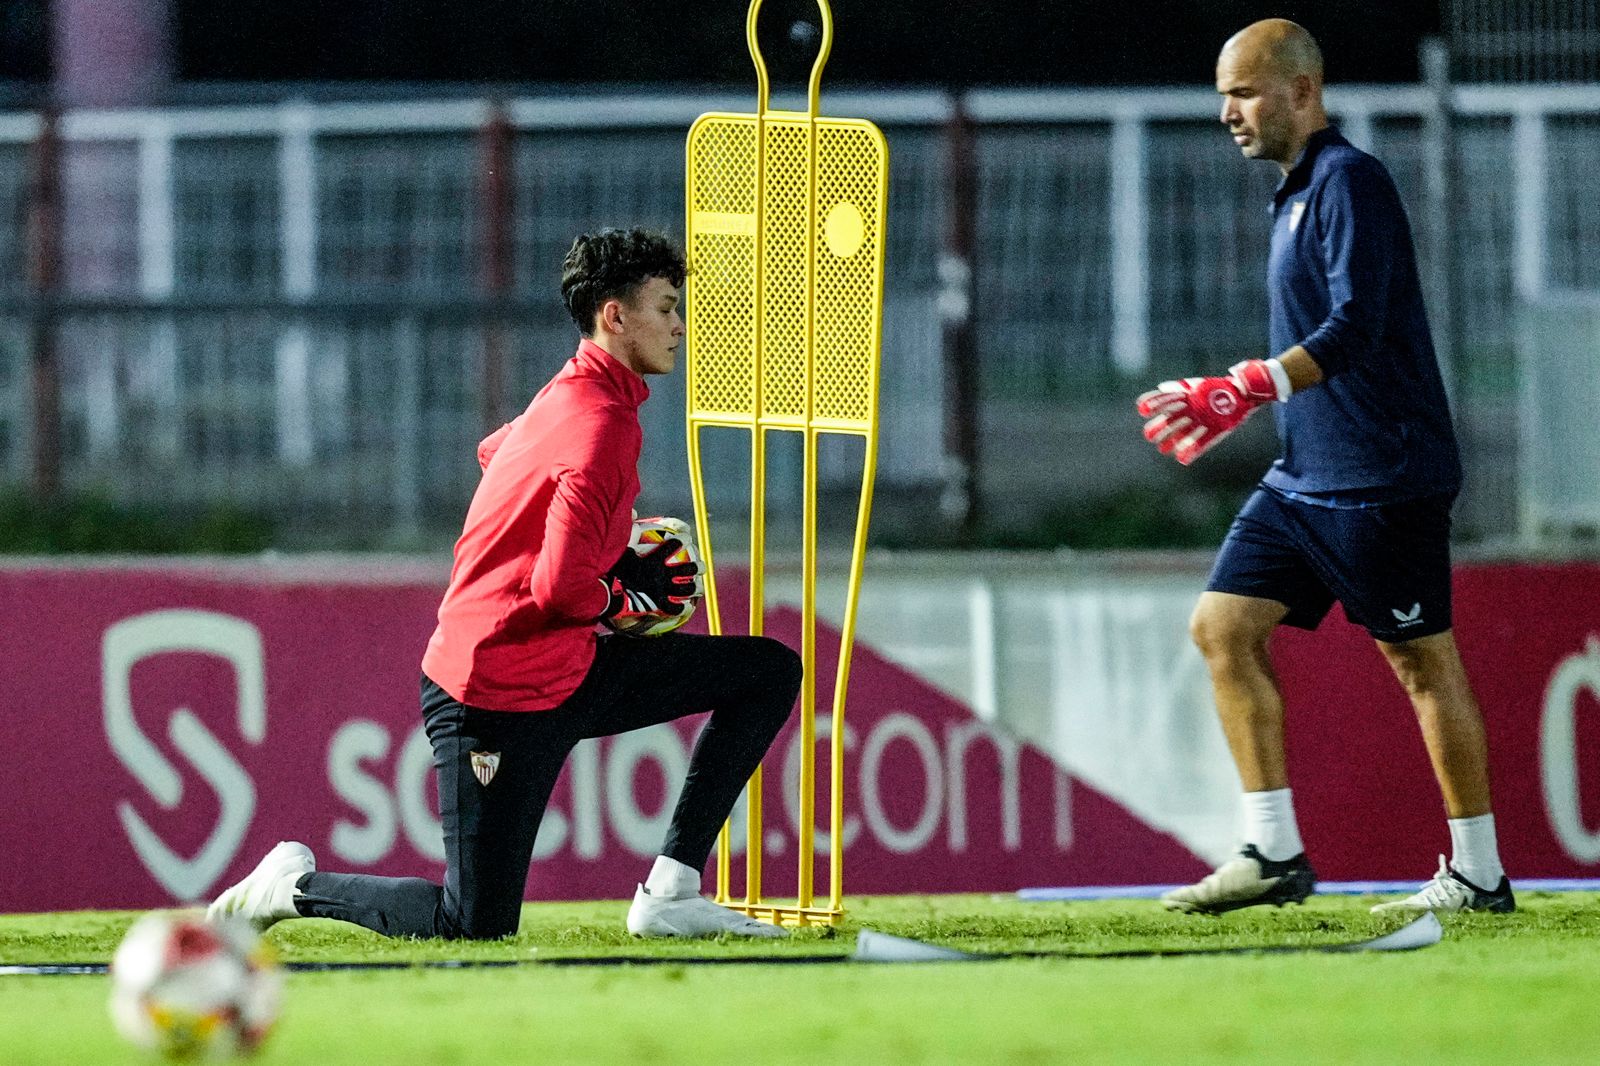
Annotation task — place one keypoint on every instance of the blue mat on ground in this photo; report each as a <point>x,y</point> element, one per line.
<point>1325,888</point>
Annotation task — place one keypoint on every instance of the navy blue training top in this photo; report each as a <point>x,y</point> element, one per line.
<point>1342,282</point>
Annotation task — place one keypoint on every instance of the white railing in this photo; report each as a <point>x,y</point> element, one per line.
<point>1559,486</point>
<point>1119,237</point>
<point>1515,40</point>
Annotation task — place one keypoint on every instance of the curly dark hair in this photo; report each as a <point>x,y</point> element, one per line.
<point>612,264</point>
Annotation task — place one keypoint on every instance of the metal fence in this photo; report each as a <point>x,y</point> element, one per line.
<point>1524,40</point>
<point>1559,487</point>
<point>317,309</point>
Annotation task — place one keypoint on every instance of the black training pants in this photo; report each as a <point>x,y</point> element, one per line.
<point>748,684</point>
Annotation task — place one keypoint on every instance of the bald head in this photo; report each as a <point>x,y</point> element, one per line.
<point>1276,46</point>
<point>1270,78</point>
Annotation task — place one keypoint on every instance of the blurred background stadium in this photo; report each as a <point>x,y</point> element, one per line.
<point>266,276</point>
<point>268,272</point>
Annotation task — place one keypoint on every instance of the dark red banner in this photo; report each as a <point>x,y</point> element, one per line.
<point>1364,789</point>
<point>168,726</point>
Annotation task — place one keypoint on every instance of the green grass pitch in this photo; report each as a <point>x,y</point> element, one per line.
<point>1512,991</point>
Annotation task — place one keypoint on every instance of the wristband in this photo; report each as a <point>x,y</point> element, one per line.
<point>1280,379</point>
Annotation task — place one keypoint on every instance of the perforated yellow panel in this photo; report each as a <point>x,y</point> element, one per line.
<point>784,299</point>
<point>819,296</point>
<point>722,243</point>
<point>852,167</point>
<point>786,215</point>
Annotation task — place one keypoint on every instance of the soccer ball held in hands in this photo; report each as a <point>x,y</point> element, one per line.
<point>648,535</point>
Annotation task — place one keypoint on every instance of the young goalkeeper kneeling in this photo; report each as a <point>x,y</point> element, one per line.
<point>516,674</point>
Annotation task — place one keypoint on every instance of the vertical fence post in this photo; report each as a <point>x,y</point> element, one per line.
<point>1130,260</point>
<point>1442,279</point>
<point>407,460</point>
<point>297,239</point>
<point>297,200</point>
<point>1439,177</point>
<point>1530,270</point>
<point>1356,125</point>
<point>44,269</point>
<point>960,502</point>
<point>498,189</point>
<point>158,278</point>
<point>297,222</point>
<point>1530,168</point>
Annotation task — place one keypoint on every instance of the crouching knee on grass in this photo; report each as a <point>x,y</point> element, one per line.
<point>536,647</point>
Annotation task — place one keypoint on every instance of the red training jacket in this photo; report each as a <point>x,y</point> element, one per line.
<point>552,513</point>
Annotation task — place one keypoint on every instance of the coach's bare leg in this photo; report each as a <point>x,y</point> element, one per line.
<point>1474,878</point>
<point>1430,669</point>
<point>1271,868</point>
<point>1231,632</point>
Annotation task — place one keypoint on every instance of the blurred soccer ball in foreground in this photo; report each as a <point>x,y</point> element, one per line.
<point>194,990</point>
<point>647,531</point>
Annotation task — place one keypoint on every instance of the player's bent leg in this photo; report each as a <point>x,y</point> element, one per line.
<point>1430,670</point>
<point>755,701</point>
<point>692,916</point>
<point>1247,880</point>
<point>495,771</point>
<point>749,685</point>
<point>669,904</point>
<point>267,893</point>
<point>390,906</point>
<point>1231,632</point>
<point>1449,893</point>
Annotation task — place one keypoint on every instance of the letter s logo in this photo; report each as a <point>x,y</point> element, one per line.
<point>158,632</point>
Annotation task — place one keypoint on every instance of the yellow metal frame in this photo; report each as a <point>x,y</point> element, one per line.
<point>785,224</point>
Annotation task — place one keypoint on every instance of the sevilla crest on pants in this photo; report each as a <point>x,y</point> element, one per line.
<point>484,764</point>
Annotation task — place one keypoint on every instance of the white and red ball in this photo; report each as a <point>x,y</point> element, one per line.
<point>191,989</point>
<point>647,531</point>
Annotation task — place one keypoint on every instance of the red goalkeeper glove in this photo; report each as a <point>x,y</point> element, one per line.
<point>1187,418</point>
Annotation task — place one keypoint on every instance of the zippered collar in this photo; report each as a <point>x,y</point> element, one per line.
<point>629,385</point>
<point>1299,175</point>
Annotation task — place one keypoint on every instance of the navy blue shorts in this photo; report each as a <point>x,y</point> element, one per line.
<point>1388,564</point>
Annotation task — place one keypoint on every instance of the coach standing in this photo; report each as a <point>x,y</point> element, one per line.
<point>1357,506</point>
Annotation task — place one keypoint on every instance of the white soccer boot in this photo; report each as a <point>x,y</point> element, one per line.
<point>1249,879</point>
<point>1449,893</point>
<point>658,916</point>
<point>266,895</point>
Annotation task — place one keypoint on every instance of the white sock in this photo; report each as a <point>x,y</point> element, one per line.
<point>1269,824</point>
<point>671,879</point>
<point>1474,853</point>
